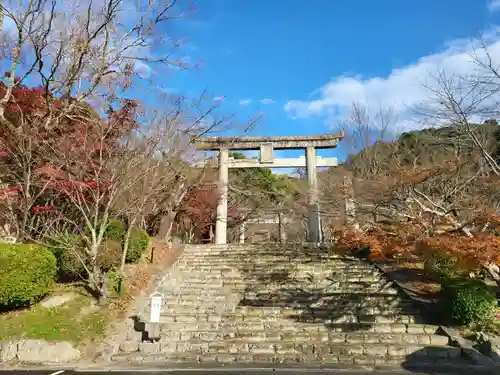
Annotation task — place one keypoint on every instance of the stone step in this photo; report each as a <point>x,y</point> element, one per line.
<point>266,274</point>
<point>302,327</point>
<point>312,313</point>
<point>261,305</point>
<point>217,313</point>
<point>279,294</point>
<point>256,299</point>
<point>249,262</point>
<point>237,351</point>
<point>261,257</point>
<point>344,287</point>
<point>193,317</point>
<point>162,359</point>
<point>321,306</point>
<point>311,337</point>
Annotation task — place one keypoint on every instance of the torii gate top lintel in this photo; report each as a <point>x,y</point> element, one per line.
<point>279,142</point>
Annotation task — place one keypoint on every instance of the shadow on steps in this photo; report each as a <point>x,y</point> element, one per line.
<point>445,360</point>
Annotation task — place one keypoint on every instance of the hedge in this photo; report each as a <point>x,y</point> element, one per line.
<point>68,249</point>
<point>138,243</point>
<point>115,230</point>
<point>466,301</point>
<point>27,273</point>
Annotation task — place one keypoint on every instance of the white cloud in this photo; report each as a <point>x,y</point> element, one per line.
<point>402,89</point>
<point>267,101</point>
<point>219,98</point>
<point>142,69</point>
<point>245,101</point>
<point>494,5</point>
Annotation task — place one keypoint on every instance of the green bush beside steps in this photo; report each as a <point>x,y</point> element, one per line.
<point>27,274</point>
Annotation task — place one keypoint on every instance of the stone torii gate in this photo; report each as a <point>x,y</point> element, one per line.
<point>267,145</point>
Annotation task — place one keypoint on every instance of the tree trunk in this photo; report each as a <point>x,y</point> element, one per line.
<point>166,223</point>
<point>126,242</point>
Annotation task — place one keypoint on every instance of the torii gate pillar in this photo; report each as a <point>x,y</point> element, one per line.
<point>221,221</point>
<point>313,219</point>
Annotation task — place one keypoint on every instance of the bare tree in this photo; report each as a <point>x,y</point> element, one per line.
<point>93,51</point>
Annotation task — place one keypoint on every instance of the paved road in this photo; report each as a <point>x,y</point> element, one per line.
<point>246,371</point>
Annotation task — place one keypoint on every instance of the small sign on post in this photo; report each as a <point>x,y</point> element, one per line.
<point>156,303</point>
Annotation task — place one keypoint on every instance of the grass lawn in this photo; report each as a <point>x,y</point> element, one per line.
<point>77,320</point>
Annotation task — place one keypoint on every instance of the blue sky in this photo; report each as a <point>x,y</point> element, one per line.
<point>301,63</point>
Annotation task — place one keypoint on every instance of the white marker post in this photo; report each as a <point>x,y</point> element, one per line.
<point>156,303</point>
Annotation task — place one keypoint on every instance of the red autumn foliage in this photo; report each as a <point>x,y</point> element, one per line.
<point>200,205</point>
<point>39,208</point>
<point>470,253</point>
<point>80,135</point>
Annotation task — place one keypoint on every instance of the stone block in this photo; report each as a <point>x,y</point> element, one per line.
<point>430,329</point>
<point>190,318</point>
<point>225,358</point>
<point>408,338</point>
<point>382,328</point>
<point>376,350</point>
<point>424,339</point>
<point>399,328</point>
<point>150,347</point>
<point>8,351</point>
<point>168,347</point>
<point>345,360</point>
<point>134,336</point>
<point>337,337</point>
<point>330,360</point>
<point>304,348</point>
<point>355,350</point>
<point>323,350</point>
<point>265,358</point>
<point>41,351</point>
<point>238,347</point>
<point>364,361</point>
<point>390,338</point>
<point>261,348</point>
<point>286,348</point>
<point>129,346</point>
<point>416,328</point>
<point>439,340</point>
<point>355,338</point>
<point>383,319</point>
<point>244,358</point>
<point>273,335</point>
<point>396,351</point>
<point>218,347</point>
<point>417,350</point>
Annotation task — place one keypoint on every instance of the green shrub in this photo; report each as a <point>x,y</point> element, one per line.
<point>69,252</point>
<point>27,274</point>
<point>465,301</point>
<point>442,267</point>
<point>115,230</point>
<point>109,255</point>
<point>138,243</point>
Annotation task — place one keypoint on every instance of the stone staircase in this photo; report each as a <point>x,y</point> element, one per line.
<point>270,304</point>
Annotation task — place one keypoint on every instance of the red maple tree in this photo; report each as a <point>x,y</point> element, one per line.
<point>51,146</point>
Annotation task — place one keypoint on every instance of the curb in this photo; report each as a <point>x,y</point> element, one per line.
<point>395,369</point>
